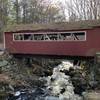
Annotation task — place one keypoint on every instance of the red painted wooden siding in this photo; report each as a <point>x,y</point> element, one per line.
<point>70,48</point>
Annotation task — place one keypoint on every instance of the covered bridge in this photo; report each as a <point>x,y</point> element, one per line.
<point>81,38</point>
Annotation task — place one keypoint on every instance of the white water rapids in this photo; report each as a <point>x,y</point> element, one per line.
<point>60,85</point>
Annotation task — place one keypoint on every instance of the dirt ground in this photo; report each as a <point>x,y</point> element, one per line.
<point>1,48</point>
<point>92,96</point>
<point>1,45</point>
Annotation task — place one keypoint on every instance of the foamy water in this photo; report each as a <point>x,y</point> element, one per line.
<point>60,84</point>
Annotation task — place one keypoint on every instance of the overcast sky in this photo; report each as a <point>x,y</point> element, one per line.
<point>64,4</point>
<point>63,1</point>
<point>59,0</point>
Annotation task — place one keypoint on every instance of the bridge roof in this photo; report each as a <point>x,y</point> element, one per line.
<point>78,25</point>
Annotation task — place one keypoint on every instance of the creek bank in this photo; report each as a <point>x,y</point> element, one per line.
<point>15,73</point>
<point>91,95</point>
<point>64,80</point>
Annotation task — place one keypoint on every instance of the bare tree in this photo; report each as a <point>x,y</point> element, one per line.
<point>17,10</point>
<point>40,11</point>
<point>83,9</point>
<point>3,15</point>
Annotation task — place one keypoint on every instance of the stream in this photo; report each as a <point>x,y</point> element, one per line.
<point>58,86</point>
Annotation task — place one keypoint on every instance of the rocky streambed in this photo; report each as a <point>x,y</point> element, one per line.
<point>57,80</point>
<point>58,86</point>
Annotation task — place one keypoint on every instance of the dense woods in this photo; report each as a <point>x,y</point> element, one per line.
<point>45,11</point>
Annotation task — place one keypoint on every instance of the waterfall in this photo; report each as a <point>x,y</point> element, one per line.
<point>60,85</point>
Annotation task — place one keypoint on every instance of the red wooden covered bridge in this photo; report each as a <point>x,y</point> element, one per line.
<point>81,38</point>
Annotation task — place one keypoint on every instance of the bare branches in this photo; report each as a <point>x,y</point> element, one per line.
<point>37,11</point>
<point>84,9</point>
